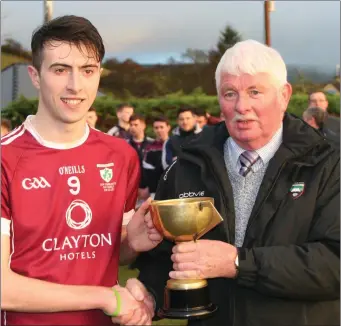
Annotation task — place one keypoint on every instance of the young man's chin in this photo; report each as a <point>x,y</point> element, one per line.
<point>73,118</point>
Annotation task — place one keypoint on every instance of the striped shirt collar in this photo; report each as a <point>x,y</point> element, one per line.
<point>266,152</point>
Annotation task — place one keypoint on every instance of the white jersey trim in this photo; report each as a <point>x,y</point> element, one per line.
<point>127,217</point>
<point>12,136</point>
<point>12,133</point>
<point>29,127</point>
<point>10,256</point>
<point>5,226</point>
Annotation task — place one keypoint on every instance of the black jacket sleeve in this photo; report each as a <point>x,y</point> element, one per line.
<point>308,272</point>
<point>155,265</point>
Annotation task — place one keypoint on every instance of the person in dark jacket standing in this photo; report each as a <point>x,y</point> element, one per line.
<point>123,112</point>
<point>139,141</point>
<point>152,168</point>
<point>316,118</point>
<point>275,259</point>
<point>187,129</point>
<point>319,99</point>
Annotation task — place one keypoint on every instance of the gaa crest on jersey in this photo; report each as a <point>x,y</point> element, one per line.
<point>106,173</point>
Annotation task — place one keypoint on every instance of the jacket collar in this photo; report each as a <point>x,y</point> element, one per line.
<point>179,132</point>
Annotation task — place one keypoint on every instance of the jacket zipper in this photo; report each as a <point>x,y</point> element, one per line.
<point>232,286</point>
<point>231,292</point>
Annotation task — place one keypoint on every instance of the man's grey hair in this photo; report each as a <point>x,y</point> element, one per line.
<point>252,57</point>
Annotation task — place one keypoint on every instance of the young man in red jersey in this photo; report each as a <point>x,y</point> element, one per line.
<point>64,190</point>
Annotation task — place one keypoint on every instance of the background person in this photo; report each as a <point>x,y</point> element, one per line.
<point>123,112</point>
<point>92,117</point>
<point>316,118</point>
<point>186,130</point>
<point>6,127</point>
<point>319,99</point>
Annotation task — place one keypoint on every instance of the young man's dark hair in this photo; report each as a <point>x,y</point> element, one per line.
<point>92,109</point>
<point>76,30</point>
<point>185,109</point>
<point>135,117</point>
<point>200,112</point>
<point>161,119</point>
<point>121,106</point>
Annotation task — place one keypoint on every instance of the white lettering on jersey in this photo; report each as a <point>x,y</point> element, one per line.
<point>74,182</point>
<point>81,241</point>
<point>73,169</point>
<point>68,245</point>
<point>88,215</point>
<point>35,183</point>
<point>192,194</point>
<point>77,255</point>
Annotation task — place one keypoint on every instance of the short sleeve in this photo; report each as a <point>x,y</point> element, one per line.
<point>5,203</point>
<point>134,176</point>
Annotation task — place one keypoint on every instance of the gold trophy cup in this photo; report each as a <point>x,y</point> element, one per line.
<point>180,220</point>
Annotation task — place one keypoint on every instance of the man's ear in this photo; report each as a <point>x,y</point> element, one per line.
<point>286,93</point>
<point>34,75</point>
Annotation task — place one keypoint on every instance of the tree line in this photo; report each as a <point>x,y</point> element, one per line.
<point>193,74</point>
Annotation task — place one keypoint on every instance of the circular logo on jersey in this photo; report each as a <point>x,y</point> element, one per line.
<point>88,215</point>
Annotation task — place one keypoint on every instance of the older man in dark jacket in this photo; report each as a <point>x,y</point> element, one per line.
<point>275,259</point>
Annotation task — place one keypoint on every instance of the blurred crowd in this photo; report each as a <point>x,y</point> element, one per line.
<point>158,152</point>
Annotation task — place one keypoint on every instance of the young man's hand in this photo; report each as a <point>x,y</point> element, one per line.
<point>141,232</point>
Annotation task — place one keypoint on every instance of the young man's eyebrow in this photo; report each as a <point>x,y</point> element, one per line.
<point>57,64</point>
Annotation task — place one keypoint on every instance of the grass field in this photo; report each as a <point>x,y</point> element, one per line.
<point>125,274</point>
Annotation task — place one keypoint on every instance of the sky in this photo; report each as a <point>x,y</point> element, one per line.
<point>304,32</point>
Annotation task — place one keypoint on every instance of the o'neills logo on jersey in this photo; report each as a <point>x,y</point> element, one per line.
<point>192,194</point>
<point>73,169</point>
<point>68,247</point>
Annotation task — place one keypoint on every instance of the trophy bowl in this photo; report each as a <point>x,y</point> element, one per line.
<point>180,220</point>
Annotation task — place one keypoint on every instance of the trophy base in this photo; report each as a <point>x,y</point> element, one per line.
<point>186,299</point>
<point>188,314</point>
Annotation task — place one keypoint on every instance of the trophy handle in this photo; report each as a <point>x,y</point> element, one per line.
<point>216,218</point>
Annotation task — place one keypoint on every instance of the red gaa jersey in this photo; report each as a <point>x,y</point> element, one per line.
<point>63,209</point>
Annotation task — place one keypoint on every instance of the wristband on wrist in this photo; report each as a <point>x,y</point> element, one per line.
<point>118,304</point>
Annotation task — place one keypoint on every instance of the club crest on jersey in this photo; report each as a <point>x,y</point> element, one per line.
<point>297,189</point>
<point>106,173</point>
